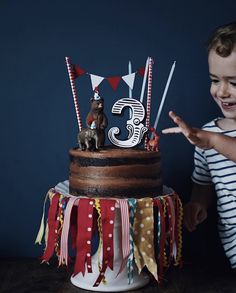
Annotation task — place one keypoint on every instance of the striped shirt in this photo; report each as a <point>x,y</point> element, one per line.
<point>213,168</point>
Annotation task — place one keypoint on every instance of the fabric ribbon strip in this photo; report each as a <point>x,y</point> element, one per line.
<point>52,228</point>
<point>84,234</point>
<point>107,219</point>
<point>178,228</point>
<point>130,262</point>
<point>41,228</point>
<point>63,259</point>
<point>162,237</point>
<point>144,236</point>
<point>124,233</point>
<point>171,232</point>
<point>60,220</point>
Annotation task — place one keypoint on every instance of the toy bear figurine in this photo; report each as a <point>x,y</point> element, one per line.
<point>97,116</point>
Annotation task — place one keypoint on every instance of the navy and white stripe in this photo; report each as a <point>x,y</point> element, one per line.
<point>213,168</point>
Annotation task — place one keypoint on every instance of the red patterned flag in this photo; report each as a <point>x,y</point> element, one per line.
<point>78,71</point>
<point>141,71</point>
<point>114,81</point>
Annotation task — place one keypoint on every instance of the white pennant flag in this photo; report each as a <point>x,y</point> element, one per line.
<point>96,80</point>
<point>129,79</point>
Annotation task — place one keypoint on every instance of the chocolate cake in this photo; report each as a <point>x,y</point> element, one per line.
<point>115,172</point>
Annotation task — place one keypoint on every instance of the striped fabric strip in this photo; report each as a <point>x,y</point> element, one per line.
<point>63,259</point>
<point>125,238</point>
<point>171,220</point>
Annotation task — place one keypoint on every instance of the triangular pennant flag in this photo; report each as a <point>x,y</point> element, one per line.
<point>78,71</point>
<point>96,80</point>
<point>141,71</point>
<point>114,81</point>
<point>129,79</point>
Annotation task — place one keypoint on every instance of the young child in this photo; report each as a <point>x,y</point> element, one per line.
<point>215,145</point>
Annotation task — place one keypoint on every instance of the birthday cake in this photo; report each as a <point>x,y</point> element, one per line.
<point>115,172</point>
<point>114,191</point>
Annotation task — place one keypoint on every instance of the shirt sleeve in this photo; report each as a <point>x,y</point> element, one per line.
<point>201,174</point>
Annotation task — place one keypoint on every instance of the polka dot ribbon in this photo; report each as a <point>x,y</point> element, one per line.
<point>107,219</point>
<point>84,235</point>
<point>144,236</point>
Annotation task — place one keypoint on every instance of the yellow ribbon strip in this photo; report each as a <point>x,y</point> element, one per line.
<point>39,237</point>
<point>144,236</point>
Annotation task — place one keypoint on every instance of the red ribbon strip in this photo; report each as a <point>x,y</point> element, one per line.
<point>53,224</point>
<point>107,220</point>
<point>84,235</point>
<point>171,223</point>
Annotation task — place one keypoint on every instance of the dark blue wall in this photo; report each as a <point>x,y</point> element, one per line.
<point>38,122</point>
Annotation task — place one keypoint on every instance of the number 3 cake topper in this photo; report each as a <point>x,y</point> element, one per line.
<point>134,125</point>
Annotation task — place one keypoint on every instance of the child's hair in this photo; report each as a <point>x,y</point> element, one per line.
<point>223,40</point>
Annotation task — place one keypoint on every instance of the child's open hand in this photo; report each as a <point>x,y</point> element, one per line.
<point>195,136</point>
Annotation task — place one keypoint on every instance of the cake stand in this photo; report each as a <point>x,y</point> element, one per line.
<point>114,282</point>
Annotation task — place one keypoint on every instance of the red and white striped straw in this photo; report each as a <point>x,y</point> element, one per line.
<point>149,95</point>
<point>73,89</point>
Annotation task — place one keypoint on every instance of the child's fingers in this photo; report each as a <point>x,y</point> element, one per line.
<point>171,130</point>
<point>179,121</point>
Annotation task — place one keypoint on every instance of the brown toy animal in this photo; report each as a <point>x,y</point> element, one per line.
<point>97,115</point>
<point>88,139</point>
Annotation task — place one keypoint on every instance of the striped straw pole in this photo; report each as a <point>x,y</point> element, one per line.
<point>73,89</point>
<point>149,95</point>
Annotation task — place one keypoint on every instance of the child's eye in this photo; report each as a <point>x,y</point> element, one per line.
<point>233,83</point>
<point>214,81</point>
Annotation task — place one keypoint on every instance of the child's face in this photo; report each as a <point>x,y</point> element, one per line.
<point>222,72</point>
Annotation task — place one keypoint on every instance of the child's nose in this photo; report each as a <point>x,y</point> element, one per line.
<point>223,90</point>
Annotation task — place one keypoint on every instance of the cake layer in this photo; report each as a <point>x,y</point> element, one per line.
<point>115,172</point>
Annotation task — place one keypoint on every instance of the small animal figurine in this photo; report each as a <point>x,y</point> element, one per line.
<point>97,116</point>
<point>88,138</point>
<point>153,143</point>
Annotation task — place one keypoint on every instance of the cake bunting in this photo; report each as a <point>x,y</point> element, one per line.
<point>161,229</point>
<point>94,140</point>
